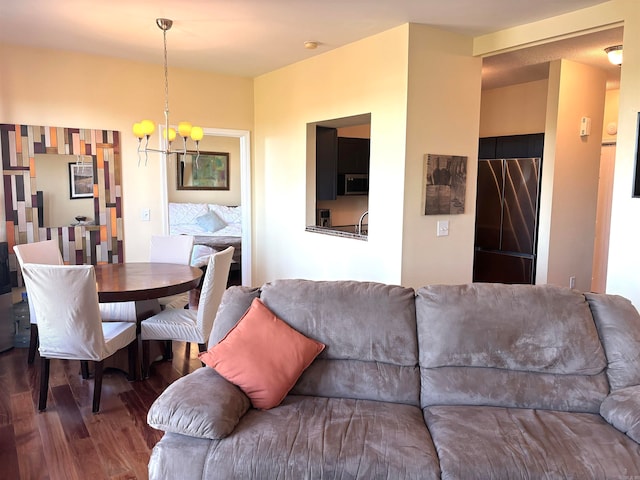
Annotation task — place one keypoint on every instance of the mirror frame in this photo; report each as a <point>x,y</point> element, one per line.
<point>79,244</point>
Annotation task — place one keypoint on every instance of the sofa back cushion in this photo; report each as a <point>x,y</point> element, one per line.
<point>509,345</point>
<point>369,330</point>
<point>618,323</point>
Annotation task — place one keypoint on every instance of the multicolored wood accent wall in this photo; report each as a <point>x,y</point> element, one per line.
<point>94,244</point>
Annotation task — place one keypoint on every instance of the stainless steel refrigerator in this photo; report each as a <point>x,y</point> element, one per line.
<point>507,220</point>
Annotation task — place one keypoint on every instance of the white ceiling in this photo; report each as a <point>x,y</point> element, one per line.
<point>252,37</point>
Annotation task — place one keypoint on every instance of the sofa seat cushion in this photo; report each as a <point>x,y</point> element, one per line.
<point>495,443</point>
<point>313,437</point>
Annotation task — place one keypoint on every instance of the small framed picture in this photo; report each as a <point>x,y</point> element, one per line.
<point>203,171</point>
<point>80,180</point>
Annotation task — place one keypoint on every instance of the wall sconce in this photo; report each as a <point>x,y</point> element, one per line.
<point>615,54</point>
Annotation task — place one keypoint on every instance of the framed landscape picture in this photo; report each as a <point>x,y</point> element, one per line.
<point>80,180</point>
<point>204,171</point>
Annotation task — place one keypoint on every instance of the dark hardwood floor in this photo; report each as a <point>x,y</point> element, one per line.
<point>67,441</point>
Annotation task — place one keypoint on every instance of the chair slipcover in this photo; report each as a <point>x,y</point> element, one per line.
<point>46,252</point>
<point>172,249</point>
<point>193,325</point>
<point>65,300</point>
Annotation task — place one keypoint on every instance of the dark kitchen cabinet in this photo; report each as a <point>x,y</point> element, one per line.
<point>353,155</point>
<point>511,146</point>
<point>326,163</point>
<point>337,156</point>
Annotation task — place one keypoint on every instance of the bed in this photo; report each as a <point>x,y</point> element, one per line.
<point>214,228</point>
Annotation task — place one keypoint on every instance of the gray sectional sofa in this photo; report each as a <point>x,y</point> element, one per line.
<point>480,381</point>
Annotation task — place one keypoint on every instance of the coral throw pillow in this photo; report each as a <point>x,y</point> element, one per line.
<point>262,355</point>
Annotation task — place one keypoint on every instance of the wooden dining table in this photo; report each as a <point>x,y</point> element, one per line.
<point>143,283</point>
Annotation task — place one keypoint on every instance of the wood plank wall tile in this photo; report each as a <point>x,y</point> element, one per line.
<point>18,146</point>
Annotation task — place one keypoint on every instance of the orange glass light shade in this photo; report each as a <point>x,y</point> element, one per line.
<point>196,134</point>
<point>137,130</point>
<point>184,129</point>
<point>148,127</point>
<point>172,134</point>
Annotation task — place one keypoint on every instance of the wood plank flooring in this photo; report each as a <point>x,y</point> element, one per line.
<point>67,441</point>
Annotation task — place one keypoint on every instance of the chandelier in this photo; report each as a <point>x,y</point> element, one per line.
<point>145,128</point>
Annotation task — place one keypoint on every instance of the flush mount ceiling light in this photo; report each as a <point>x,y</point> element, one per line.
<point>145,128</point>
<point>615,54</point>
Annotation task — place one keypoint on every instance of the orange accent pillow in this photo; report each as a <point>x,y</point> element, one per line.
<point>262,355</point>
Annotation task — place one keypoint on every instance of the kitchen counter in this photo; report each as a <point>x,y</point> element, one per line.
<point>345,231</point>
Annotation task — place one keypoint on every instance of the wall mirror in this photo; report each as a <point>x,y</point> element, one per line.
<point>62,190</point>
<point>38,196</point>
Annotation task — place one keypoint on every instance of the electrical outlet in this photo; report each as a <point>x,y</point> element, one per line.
<point>443,228</point>
<point>145,214</point>
<point>572,281</point>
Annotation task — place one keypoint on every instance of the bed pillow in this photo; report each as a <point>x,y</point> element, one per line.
<point>262,355</point>
<point>211,222</point>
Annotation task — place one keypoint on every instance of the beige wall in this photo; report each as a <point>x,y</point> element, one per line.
<point>442,118</point>
<point>63,89</point>
<point>569,190</point>
<point>369,76</point>
<point>514,110</point>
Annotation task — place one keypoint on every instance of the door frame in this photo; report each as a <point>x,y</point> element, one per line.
<point>245,192</point>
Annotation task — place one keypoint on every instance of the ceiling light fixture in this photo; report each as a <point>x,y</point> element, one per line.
<point>145,128</point>
<point>615,54</point>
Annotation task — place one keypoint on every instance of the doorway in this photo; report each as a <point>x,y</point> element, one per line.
<point>243,137</point>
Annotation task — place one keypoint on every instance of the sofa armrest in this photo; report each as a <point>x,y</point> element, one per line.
<point>622,410</point>
<point>202,404</point>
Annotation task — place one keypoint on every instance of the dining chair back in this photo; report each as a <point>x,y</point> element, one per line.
<point>65,300</point>
<point>171,249</point>
<point>213,287</point>
<point>191,325</point>
<point>46,252</point>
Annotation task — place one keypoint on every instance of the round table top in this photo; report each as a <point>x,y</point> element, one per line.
<point>125,282</point>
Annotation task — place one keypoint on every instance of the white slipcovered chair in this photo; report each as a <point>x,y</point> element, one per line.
<point>65,300</point>
<point>191,325</point>
<point>172,249</point>
<point>46,252</point>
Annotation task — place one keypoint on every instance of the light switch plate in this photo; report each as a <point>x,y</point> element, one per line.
<point>145,214</point>
<point>443,228</point>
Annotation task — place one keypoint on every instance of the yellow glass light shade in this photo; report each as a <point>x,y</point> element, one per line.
<point>137,130</point>
<point>148,127</point>
<point>172,134</point>
<point>196,134</point>
<point>184,129</point>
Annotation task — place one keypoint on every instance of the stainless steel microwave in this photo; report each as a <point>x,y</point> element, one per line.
<point>353,184</point>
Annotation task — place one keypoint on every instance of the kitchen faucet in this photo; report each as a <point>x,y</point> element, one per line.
<point>359,231</point>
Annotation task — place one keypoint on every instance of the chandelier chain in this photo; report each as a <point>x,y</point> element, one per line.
<point>166,74</point>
